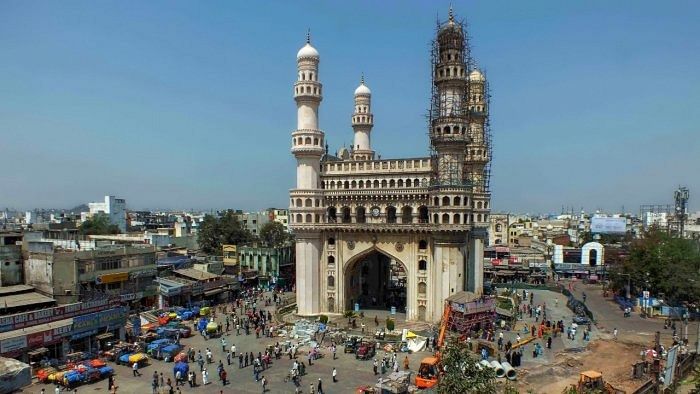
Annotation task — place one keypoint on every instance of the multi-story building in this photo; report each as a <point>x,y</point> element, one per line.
<point>270,264</point>
<point>71,275</point>
<point>254,221</point>
<point>362,223</point>
<point>498,229</point>
<point>280,216</point>
<point>11,262</point>
<point>114,207</point>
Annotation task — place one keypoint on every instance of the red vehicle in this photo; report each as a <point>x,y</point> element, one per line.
<point>365,351</point>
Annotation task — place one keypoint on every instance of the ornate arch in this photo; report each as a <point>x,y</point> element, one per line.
<point>354,259</point>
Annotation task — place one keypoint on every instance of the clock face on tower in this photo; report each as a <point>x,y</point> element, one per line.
<point>375,212</point>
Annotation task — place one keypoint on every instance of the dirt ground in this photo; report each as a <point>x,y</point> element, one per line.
<point>613,358</point>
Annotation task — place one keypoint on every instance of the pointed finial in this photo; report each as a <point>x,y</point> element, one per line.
<point>362,80</point>
<point>308,36</point>
<point>452,18</point>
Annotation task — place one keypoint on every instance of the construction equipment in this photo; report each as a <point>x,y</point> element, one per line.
<point>428,372</point>
<point>592,382</point>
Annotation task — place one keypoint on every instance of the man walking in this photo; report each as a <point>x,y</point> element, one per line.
<point>615,333</point>
<point>135,369</point>
<point>335,374</point>
<point>319,388</point>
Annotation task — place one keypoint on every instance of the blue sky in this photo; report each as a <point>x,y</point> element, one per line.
<point>185,104</point>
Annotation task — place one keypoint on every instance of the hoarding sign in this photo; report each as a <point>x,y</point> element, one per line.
<point>12,344</point>
<point>29,319</point>
<point>608,225</point>
<point>112,278</point>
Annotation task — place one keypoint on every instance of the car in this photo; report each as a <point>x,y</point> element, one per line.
<point>351,344</point>
<point>581,320</point>
<point>365,351</point>
<point>380,333</point>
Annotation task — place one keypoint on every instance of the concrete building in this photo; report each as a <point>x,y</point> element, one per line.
<point>71,276</point>
<point>11,261</point>
<point>280,216</point>
<point>357,216</point>
<point>114,208</point>
<point>498,229</point>
<point>269,264</point>
<point>254,221</point>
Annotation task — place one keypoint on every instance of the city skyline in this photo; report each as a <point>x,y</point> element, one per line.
<point>165,110</point>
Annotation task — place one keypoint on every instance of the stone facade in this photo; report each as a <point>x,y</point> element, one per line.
<point>426,216</point>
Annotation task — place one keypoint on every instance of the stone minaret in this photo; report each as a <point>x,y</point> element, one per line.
<point>306,210</point>
<point>362,122</point>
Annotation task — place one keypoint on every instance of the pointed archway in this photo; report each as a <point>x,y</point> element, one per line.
<point>375,279</point>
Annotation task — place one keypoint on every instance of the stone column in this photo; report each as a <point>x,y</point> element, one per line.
<point>308,247</point>
<point>475,264</point>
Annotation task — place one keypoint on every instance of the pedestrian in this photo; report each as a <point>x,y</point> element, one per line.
<point>205,377</point>
<point>135,369</point>
<point>405,363</point>
<point>549,342</point>
<point>333,349</point>
<point>240,361</point>
<point>228,358</point>
<point>319,387</point>
<point>233,349</point>
<point>335,374</point>
<point>178,377</point>
<point>189,378</point>
<point>263,383</point>
<point>615,333</point>
<point>222,375</point>
<point>374,366</point>
<point>363,329</point>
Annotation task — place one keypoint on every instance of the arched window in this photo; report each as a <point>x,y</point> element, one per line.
<point>331,241</point>
<point>435,218</point>
<point>392,183</point>
<point>307,202</point>
<point>423,214</point>
<point>422,287</point>
<point>347,185</point>
<point>422,265</point>
<point>478,218</point>
<point>346,214</point>
<point>353,185</point>
<point>331,260</point>
<point>486,204</point>
<point>447,129</point>
<point>299,218</point>
<point>391,215</point>
<point>422,244</point>
<point>299,203</point>
<point>406,215</point>
<point>408,183</point>
<point>436,201</point>
<point>478,205</point>
<point>445,218</point>
<point>499,228</point>
<point>308,218</point>
<point>331,281</point>
<point>457,201</point>
<point>318,203</point>
<point>332,184</point>
<point>376,184</point>
<point>416,182</point>
<point>400,183</point>
<point>307,141</point>
<point>361,184</point>
<point>446,201</point>
<point>331,304</point>
<point>360,215</point>
<point>383,183</point>
<point>455,219</point>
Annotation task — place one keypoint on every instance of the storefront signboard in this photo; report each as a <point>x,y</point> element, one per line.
<point>12,344</point>
<point>29,319</point>
<point>112,278</point>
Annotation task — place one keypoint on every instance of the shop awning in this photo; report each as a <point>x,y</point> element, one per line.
<point>106,335</point>
<point>213,292</point>
<point>38,352</point>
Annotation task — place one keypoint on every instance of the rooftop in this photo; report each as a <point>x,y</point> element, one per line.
<point>24,299</point>
<point>7,290</point>
<point>195,274</point>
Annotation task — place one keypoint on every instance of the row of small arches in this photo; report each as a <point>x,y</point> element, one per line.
<point>456,218</point>
<point>450,72</point>
<point>362,118</point>
<point>307,76</point>
<point>458,201</point>
<point>307,89</point>
<point>422,245</point>
<point>309,203</point>
<point>375,184</point>
<point>362,109</point>
<point>344,215</point>
<point>307,141</point>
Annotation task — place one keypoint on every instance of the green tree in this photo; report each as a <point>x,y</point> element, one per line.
<point>227,229</point>
<point>462,375</point>
<point>98,224</point>
<point>664,265</point>
<point>273,234</point>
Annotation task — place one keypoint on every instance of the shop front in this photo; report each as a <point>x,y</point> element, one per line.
<point>37,343</point>
<point>90,332</point>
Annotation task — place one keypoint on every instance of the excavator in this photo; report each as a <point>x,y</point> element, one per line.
<point>429,372</point>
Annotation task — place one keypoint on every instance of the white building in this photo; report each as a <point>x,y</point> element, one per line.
<point>114,208</point>
<point>405,233</point>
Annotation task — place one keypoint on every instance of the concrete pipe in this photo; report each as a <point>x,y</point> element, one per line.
<point>509,370</point>
<point>500,372</point>
<point>485,364</point>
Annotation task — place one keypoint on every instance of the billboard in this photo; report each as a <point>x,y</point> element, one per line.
<point>608,225</point>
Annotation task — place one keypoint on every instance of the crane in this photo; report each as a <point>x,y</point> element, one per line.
<point>429,367</point>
